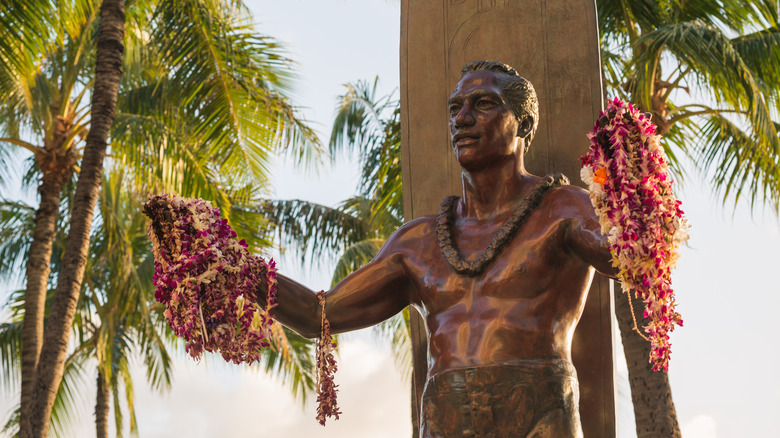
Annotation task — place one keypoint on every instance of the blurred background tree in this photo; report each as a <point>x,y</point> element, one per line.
<point>708,71</point>
<point>202,106</point>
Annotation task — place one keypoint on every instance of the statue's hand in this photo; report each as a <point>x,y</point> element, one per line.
<point>163,218</point>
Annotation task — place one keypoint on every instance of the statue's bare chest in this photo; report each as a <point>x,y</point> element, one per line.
<point>523,269</point>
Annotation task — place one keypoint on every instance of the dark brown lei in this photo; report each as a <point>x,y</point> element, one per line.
<point>502,237</point>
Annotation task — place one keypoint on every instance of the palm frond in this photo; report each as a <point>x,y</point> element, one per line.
<point>715,62</point>
<point>760,52</point>
<point>10,355</point>
<point>740,160</point>
<point>158,362</point>
<point>355,257</point>
<point>7,156</point>
<point>124,380</point>
<point>614,66</point>
<point>291,362</point>
<point>158,146</point>
<point>25,26</point>
<point>63,414</point>
<point>618,19</point>
<point>722,71</point>
<point>118,417</point>
<point>359,124</point>
<point>11,426</point>
<point>313,229</point>
<point>680,141</point>
<point>232,80</point>
<point>127,380</point>
<point>734,14</point>
<point>17,220</point>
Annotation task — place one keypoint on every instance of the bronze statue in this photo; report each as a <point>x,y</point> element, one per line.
<point>500,276</point>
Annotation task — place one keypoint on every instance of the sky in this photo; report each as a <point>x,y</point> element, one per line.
<point>721,371</point>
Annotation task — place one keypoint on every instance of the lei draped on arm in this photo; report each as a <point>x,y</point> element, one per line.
<point>208,282</point>
<point>626,172</point>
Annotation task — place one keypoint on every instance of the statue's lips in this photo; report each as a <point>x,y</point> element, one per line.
<point>465,139</point>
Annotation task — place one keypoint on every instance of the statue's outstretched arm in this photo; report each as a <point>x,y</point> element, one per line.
<point>366,297</point>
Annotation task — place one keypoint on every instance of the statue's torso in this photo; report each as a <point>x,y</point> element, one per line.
<point>525,304</point>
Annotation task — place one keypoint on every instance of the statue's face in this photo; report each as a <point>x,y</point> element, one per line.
<point>483,129</point>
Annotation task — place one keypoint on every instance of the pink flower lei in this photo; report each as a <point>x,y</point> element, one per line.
<point>626,172</point>
<point>208,282</point>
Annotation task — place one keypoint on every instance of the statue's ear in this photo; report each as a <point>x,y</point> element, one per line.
<point>525,126</point>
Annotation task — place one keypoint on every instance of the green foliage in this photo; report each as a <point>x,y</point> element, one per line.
<point>202,106</point>
<point>709,72</point>
<point>356,230</point>
<point>369,126</point>
<point>16,222</point>
<point>291,360</point>
<point>312,230</point>
<point>221,86</point>
<point>68,394</point>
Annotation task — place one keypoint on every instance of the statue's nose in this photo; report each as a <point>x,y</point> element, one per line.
<point>464,117</point>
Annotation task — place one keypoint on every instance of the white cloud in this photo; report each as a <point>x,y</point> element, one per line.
<point>212,399</point>
<point>700,426</point>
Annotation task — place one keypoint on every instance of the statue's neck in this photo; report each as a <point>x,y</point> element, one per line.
<point>494,190</point>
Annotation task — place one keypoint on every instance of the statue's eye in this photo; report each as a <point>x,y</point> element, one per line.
<point>485,104</point>
<point>454,110</point>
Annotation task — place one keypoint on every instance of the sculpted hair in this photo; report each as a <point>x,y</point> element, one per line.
<point>517,90</point>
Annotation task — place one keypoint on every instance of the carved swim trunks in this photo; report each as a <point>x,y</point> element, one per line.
<point>528,399</point>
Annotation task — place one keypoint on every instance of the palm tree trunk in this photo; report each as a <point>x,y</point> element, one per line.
<point>108,71</point>
<point>651,395</point>
<point>101,406</point>
<point>38,269</point>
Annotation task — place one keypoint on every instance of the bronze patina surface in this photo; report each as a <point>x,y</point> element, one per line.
<point>525,398</point>
<point>523,307</point>
<point>555,45</point>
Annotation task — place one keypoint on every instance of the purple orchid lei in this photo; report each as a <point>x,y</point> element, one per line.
<point>626,171</point>
<point>208,282</point>
<point>326,369</point>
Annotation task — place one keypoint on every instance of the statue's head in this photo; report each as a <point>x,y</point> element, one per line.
<point>518,93</point>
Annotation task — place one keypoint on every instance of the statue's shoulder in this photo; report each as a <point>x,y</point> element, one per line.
<point>560,199</point>
<point>570,192</point>
<point>412,233</point>
<point>569,201</point>
<point>417,225</point>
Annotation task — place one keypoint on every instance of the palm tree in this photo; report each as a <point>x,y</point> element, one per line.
<point>117,318</point>
<point>709,73</point>
<point>68,394</point>
<point>17,222</point>
<point>108,71</point>
<point>724,56</point>
<point>233,79</point>
<point>114,318</point>
<point>56,121</point>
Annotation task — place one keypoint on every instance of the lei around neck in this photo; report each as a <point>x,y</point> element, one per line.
<point>502,237</point>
